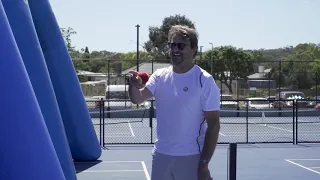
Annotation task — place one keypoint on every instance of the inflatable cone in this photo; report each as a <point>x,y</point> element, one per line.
<point>21,24</point>
<point>26,151</point>
<point>79,128</point>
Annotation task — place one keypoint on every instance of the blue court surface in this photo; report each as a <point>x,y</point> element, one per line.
<point>254,162</point>
<point>281,160</point>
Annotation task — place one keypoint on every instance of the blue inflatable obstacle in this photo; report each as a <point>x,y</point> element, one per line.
<point>82,137</point>
<point>21,24</point>
<point>26,150</point>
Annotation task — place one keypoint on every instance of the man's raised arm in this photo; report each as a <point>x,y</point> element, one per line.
<point>137,93</point>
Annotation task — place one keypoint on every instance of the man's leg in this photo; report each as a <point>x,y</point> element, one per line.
<point>186,168</point>
<point>162,167</point>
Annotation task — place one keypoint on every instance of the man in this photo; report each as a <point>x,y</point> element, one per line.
<point>188,104</point>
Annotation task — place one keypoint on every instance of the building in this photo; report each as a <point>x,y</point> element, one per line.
<point>260,80</point>
<point>147,67</point>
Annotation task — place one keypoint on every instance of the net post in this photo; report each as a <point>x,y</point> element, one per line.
<point>232,174</point>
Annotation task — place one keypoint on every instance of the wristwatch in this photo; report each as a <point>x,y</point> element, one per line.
<point>204,161</point>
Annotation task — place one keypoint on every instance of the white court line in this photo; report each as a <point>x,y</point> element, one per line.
<point>317,172</point>
<point>222,134</point>
<point>273,127</point>
<point>131,130</point>
<point>255,132</point>
<point>145,170</point>
<point>299,120</point>
<point>106,162</point>
<point>116,133</point>
<point>108,171</point>
<point>123,135</point>
<point>272,132</point>
<point>279,128</point>
<point>304,159</point>
<point>128,136</point>
<point>269,134</point>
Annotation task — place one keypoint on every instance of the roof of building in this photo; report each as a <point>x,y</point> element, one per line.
<point>147,67</point>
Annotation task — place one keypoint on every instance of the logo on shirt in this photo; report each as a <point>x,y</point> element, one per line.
<point>185,89</point>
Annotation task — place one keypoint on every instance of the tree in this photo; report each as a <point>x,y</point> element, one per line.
<point>158,36</point>
<point>228,64</point>
<point>67,33</point>
<point>316,66</point>
<point>86,54</point>
<point>300,68</point>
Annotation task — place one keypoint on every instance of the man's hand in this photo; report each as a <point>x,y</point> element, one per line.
<point>137,91</point>
<point>134,80</point>
<point>203,172</point>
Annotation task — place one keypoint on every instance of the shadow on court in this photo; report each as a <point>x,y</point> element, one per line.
<point>83,166</point>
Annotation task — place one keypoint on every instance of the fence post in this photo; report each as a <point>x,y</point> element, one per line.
<point>279,79</point>
<point>108,99</point>
<point>152,65</point>
<point>238,108</point>
<point>297,130</point>
<point>103,123</point>
<point>293,121</point>
<point>247,122</point>
<point>100,122</point>
<point>317,83</point>
<point>151,115</point>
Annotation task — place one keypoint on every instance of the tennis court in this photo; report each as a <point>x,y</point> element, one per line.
<point>275,156</point>
<point>233,129</point>
<point>263,162</point>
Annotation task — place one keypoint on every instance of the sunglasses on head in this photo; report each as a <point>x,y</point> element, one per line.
<point>180,46</point>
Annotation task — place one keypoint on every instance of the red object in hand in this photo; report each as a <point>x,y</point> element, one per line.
<point>143,77</point>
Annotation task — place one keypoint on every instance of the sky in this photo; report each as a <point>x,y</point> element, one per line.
<point>248,24</point>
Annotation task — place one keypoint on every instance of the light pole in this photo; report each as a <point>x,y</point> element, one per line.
<point>201,52</point>
<point>137,26</point>
<point>211,58</point>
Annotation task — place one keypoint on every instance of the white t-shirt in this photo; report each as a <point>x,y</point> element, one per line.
<point>180,105</point>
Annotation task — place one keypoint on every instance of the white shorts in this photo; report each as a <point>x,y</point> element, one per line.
<point>166,167</point>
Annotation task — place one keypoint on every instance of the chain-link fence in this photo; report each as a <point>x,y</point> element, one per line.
<point>307,122</point>
<point>261,102</point>
<point>257,124</point>
<point>266,79</point>
<point>253,123</point>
